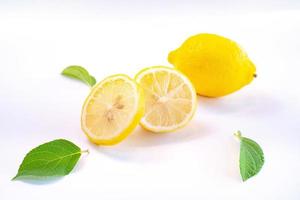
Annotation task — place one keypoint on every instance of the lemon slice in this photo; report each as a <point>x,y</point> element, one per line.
<point>170,99</point>
<point>112,110</point>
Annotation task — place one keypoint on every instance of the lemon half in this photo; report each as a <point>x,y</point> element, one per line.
<point>170,99</point>
<point>112,110</point>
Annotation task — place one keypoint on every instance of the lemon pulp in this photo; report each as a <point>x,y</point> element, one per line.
<point>112,110</point>
<point>170,99</point>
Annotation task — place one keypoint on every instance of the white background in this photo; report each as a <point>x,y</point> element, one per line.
<point>39,39</point>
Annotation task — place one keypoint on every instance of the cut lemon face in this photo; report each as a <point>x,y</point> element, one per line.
<point>170,99</point>
<point>112,110</point>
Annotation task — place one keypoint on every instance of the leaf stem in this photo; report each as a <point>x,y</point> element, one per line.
<point>238,135</point>
<point>85,151</point>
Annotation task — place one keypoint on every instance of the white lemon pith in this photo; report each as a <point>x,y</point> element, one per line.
<point>112,110</point>
<point>170,99</point>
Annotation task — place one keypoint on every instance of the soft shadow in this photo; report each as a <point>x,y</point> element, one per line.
<point>258,104</point>
<point>133,148</point>
<point>144,138</point>
<point>42,181</point>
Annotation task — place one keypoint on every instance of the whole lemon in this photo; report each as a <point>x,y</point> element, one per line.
<point>216,65</point>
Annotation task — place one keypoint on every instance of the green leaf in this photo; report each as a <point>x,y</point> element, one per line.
<point>251,157</point>
<point>78,72</point>
<point>52,159</point>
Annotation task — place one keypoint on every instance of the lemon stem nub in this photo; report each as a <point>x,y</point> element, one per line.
<point>254,75</point>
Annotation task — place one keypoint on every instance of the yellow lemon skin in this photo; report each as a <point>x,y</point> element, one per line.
<point>216,65</point>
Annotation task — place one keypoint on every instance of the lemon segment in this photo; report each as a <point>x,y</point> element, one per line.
<point>170,99</point>
<point>112,110</point>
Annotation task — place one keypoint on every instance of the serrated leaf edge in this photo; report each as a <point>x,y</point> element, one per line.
<point>259,153</point>
<point>18,175</point>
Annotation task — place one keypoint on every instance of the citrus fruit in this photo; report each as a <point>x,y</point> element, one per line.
<point>112,110</point>
<point>170,99</point>
<point>217,66</point>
